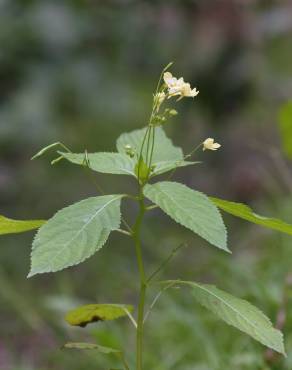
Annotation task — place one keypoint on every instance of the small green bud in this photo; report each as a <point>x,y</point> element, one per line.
<point>129,150</point>
<point>172,112</point>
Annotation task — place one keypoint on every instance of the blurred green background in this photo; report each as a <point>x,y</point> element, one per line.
<point>82,72</point>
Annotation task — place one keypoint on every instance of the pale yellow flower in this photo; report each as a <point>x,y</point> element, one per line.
<point>188,92</point>
<point>169,79</point>
<point>209,144</point>
<point>178,87</point>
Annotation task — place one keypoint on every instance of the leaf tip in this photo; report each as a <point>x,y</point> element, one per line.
<point>32,273</point>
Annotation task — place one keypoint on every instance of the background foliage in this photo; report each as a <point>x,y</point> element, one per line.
<point>82,72</point>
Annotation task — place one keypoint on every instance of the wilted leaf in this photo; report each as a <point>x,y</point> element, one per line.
<point>90,313</point>
<point>10,226</point>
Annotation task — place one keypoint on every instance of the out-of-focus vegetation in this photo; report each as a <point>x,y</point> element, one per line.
<point>82,72</point>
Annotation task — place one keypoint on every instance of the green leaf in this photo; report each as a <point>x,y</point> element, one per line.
<point>285,124</point>
<point>90,346</point>
<point>90,313</point>
<point>120,164</point>
<point>9,226</point>
<point>243,211</point>
<point>238,313</point>
<point>75,233</point>
<point>165,166</point>
<point>112,163</point>
<point>191,209</point>
<point>166,157</point>
<point>164,150</point>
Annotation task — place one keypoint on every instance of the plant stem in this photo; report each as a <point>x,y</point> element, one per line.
<point>143,285</point>
<point>165,262</point>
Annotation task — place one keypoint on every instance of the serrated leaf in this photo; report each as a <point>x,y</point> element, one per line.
<point>112,163</point>
<point>238,313</point>
<point>164,150</point>
<point>166,156</point>
<point>10,226</point>
<point>285,124</point>
<point>91,346</point>
<point>191,209</point>
<point>243,211</point>
<point>74,233</point>
<point>90,313</point>
<point>116,163</point>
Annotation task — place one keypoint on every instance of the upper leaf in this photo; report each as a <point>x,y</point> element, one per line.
<point>90,313</point>
<point>120,164</point>
<point>114,163</point>
<point>191,209</point>
<point>238,313</point>
<point>243,211</point>
<point>285,121</point>
<point>164,150</point>
<point>75,233</point>
<point>166,156</point>
<point>9,226</point>
<point>97,347</point>
<point>165,166</point>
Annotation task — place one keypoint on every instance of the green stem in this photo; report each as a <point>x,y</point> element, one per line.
<point>143,285</point>
<point>122,358</point>
<point>165,262</point>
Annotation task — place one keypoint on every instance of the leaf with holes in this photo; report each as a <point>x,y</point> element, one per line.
<point>10,226</point>
<point>75,233</point>
<point>191,209</point>
<point>243,211</point>
<point>90,313</point>
<point>111,163</point>
<point>236,312</point>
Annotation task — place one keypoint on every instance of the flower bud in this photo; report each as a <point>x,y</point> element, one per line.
<point>129,150</point>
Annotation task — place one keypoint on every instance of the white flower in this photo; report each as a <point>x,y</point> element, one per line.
<point>188,92</point>
<point>209,144</point>
<point>169,79</point>
<point>178,87</point>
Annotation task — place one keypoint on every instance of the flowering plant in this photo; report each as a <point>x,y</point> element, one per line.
<point>76,232</point>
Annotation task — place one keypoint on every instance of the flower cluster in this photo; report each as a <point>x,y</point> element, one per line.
<point>178,87</point>
<point>175,87</point>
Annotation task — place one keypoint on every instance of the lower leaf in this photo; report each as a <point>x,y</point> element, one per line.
<point>90,313</point>
<point>236,312</point>
<point>90,346</point>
